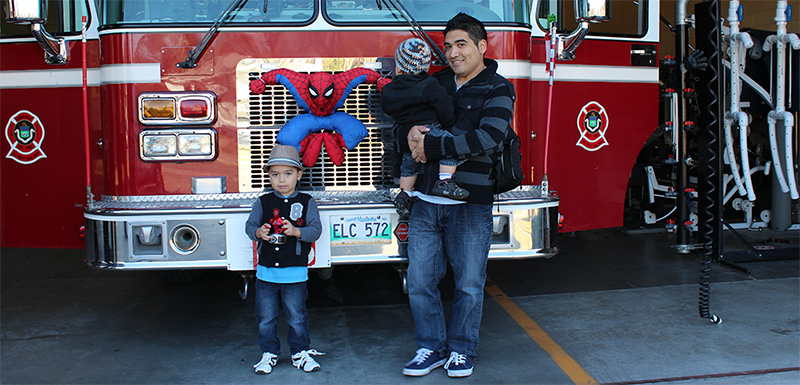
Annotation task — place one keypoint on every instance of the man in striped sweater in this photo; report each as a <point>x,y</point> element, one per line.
<point>442,230</point>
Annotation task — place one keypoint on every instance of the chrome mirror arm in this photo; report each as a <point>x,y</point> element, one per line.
<point>56,50</point>
<point>567,44</point>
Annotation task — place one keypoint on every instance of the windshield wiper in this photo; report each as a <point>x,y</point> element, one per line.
<point>440,59</point>
<point>191,61</point>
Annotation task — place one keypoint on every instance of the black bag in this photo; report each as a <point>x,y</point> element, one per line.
<point>508,167</point>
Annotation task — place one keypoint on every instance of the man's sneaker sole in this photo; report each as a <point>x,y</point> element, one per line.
<point>424,371</point>
<point>459,373</point>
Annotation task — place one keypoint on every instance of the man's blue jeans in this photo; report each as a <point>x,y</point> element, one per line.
<point>269,298</point>
<point>461,235</point>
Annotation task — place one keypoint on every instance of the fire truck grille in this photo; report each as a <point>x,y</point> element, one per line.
<point>276,106</point>
<point>368,165</point>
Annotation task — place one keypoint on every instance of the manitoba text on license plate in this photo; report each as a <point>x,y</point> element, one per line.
<point>360,229</point>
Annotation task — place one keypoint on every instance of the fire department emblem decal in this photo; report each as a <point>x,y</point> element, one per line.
<point>25,133</point>
<point>592,124</point>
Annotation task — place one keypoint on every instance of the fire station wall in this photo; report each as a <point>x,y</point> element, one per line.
<point>758,14</point>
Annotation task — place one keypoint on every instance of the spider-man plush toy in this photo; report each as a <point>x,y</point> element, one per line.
<point>320,94</point>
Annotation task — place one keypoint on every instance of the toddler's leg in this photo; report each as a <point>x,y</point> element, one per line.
<point>408,176</point>
<point>407,182</point>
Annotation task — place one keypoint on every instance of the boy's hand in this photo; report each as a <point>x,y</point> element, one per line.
<point>290,230</point>
<point>263,232</point>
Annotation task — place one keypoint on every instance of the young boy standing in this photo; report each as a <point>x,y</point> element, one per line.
<point>284,223</point>
<point>414,98</point>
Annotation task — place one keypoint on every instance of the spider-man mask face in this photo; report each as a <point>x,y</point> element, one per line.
<point>320,88</point>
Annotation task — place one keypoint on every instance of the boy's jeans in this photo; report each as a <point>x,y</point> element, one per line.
<point>460,234</point>
<point>269,298</point>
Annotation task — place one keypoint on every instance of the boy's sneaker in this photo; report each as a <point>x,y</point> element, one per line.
<point>403,203</point>
<point>268,360</point>
<point>423,363</point>
<point>458,365</point>
<point>448,188</point>
<point>302,360</point>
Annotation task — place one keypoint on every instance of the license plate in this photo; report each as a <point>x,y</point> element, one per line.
<point>360,229</point>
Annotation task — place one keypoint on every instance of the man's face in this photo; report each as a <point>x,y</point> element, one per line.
<point>463,55</point>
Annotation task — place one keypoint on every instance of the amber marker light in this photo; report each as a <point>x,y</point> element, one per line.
<point>158,108</point>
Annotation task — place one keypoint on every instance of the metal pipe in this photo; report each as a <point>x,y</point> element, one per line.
<point>681,201</point>
<point>731,157</point>
<point>739,43</point>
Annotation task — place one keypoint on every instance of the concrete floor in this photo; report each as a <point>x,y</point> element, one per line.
<point>622,307</point>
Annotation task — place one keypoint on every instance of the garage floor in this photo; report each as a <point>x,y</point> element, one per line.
<point>612,307</point>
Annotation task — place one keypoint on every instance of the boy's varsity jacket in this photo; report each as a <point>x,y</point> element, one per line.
<point>301,210</point>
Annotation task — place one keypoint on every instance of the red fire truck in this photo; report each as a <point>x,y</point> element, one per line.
<point>173,142</point>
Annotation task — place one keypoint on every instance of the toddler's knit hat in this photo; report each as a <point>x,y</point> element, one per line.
<point>413,56</point>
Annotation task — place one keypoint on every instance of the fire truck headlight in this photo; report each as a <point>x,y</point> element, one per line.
<point>178,145</point>
<point>195,144</point>
<point>159,145</point>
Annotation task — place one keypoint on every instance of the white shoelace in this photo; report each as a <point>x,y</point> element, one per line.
<point>455,359</point>
<point>269,358</point>
<point>422,355</point>
<point>305,357</point>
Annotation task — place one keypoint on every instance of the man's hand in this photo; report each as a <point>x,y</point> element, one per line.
<point>416,142</point>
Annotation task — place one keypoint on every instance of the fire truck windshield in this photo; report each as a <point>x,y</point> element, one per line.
<point>427,11</point>
<point>148,12</point>
<point>205,11</point>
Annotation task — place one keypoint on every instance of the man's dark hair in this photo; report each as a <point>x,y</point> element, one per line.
<point>472,26</point>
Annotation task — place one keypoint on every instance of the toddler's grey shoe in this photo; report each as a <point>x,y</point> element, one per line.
<point>448,188</point>
<point>403,203</point>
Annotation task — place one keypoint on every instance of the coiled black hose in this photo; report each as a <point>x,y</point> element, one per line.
<point>707,227</point>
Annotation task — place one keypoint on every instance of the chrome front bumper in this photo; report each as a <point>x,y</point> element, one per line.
<point>203,231</point>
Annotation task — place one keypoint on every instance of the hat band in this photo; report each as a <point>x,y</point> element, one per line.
<point>291,161</point>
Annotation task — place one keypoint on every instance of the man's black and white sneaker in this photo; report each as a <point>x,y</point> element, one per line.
<point>268,360</point>
<point>458,365</point>
<point>423,363</point>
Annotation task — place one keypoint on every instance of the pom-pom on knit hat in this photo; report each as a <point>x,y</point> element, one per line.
<point>413,56</point>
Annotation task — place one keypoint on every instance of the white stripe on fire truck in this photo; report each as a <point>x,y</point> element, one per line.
<point>73,77</point>
<point>151,73</point>
<point>520,69</point>
<point>590,73</point>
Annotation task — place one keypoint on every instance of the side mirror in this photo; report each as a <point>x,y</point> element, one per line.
<point>586,11</point>
<point>592,11</point>
<point>26,12</point>
<point>34,13</point>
